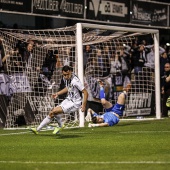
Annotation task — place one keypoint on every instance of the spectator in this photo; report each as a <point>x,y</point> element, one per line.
<point>168,53</point>
<point>150,64</point>
<point>86,55</point>
<point>150,58</point>
<point>116,77</point>
<point>103,63</point>
<point>15,64</point>
<point>27,56</point>
<point>165,86</point>
<point>115,63</point>
<point>125,60</point>
<point>107,55</point>
<point>1,64</point>
<point>1,56</point>
<point>138,61</point>
<point>97,64</point>
<point>49,64</point>
<point>91,66</point>
<point>139,58</point>
<point>163,60</point>
<point>66,57</point>
<point>106,51</point>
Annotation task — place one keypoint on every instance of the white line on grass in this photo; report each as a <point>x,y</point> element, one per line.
<point>19,133</point>
<point>9,134</point>
<point>141,119</point>
<point>87,162</point>
<point>146,132</point>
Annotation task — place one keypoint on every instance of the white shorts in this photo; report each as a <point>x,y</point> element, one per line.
<point>68,106</point>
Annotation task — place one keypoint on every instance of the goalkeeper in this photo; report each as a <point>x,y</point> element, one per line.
<point>112,112</point>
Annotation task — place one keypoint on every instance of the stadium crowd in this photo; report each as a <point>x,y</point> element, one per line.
<point>120,63</point>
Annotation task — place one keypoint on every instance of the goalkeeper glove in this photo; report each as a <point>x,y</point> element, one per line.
<point>88,117</point>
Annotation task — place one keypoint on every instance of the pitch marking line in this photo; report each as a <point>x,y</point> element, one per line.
<point>146,132</point>
<point>9,134</point>
<point>29,132</point>
<point>69,162</point>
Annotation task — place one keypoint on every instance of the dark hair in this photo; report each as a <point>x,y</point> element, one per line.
<point>94,119</point>
<point>66,68</point>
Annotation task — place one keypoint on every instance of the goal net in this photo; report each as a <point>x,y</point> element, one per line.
<point>112,54</point>
<point>33,60</point>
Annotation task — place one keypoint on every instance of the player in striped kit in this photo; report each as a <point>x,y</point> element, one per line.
<point>72,103</point>
<point>112,112</point>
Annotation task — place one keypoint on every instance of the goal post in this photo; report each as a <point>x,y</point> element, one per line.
<point>29,81</point>
<point>157,76</point>
<point>79,45</point>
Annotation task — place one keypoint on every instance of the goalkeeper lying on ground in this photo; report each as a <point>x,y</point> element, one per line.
<point>112,112</point>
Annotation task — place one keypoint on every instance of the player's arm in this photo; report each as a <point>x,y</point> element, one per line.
<point>103,124</point>
<point>63,91</point>
<point>90,114</point>
<point>84,102</point>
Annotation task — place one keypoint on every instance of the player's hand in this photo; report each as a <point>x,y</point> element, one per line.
<point>101,84</point>
<point>88,117</point>
<point>83,108</point>
<point>54,96</point>
<point>89,125</point>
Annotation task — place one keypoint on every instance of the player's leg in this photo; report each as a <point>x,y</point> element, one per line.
<point>106,104</point>
<point>68,107</point>
<point>58,118</point>
<point>122,96</point>
<point>126,88</point>
<point>47,120</point>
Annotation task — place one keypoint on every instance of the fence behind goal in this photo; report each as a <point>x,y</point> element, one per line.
<point>32,76</point>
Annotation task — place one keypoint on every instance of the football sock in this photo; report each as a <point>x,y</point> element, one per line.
<point>46,121</point>
<point>102,94</point>
<point>58,118</point>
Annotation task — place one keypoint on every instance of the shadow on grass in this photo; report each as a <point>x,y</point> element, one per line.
<point>62,136</point>
<point>137,122</point>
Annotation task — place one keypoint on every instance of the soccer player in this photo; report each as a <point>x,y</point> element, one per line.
<point>72,103</point>
<point>112,112</point>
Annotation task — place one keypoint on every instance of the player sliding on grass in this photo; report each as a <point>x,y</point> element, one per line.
<point>72,102</point>
<point>112,112</point>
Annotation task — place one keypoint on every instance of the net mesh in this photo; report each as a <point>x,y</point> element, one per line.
<point>34,59</point>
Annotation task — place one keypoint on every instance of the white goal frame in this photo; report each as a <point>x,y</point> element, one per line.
<point>154,32</point>
<point>76,38</point>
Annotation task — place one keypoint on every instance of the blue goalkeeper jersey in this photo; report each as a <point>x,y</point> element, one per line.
<point>117,108</point>
<point>110,118</point>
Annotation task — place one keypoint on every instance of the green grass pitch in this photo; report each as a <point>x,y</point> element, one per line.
<point>130,145</point>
